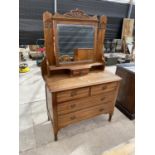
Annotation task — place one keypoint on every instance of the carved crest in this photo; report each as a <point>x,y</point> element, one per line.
<point>76,14</point>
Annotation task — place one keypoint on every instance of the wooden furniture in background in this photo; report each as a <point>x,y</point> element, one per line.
<point>90,91</point>
<point>128,27</point>
<point>126,96</point>
<point>128,45</point>
<point>127,33</point>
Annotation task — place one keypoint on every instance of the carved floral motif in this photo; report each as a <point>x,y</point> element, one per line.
<point>76,13</point>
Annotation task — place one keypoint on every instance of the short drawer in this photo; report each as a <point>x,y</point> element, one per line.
<point>98,89</point>
<point>72,94</point>
<point>78,104</point>
<point>83,114</point>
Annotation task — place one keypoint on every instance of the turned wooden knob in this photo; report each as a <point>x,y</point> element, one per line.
<point>102,99</point>
<point>73,105</point>
<point>73,117</point>
<point>73,93</point>
<point>104,87</point>
<point>101,109</point>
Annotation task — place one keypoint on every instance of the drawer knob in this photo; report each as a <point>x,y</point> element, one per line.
<point>73,105</point>
<point>73,117</point>
<point>103,98</point>
<point>101,109</point>
<point>73,93</point>
<point>104,87</point>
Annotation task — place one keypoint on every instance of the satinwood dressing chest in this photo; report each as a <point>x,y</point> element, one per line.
<point>77,86</point>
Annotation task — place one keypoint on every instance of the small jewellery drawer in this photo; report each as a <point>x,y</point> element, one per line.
<point>74,105</point>
<point>72,94</point>
<point>103,88</point>
<point>70,118</point>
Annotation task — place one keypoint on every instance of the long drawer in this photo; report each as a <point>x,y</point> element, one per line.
<point>102,88</point>
<point>70,118</point>
<point>78,104</point>
<point>72,94</point>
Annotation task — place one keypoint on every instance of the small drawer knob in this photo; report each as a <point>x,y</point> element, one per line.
<point>73,93</point>
<point>104,87</point>
<point>73,117</point>
<point>73,105</point>
<point>101,109</point>
<point>103,98</point>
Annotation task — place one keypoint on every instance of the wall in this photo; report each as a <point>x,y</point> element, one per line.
<point>30,19</point>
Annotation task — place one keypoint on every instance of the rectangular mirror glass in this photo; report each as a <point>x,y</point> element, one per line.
<point>75,43</point>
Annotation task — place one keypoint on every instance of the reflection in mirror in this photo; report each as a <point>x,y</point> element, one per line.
<point>75,43</point>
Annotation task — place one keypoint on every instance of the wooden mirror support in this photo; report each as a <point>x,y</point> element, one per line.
<point>52,62</point>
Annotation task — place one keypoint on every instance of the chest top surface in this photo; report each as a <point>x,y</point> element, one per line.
<point>62,82</point>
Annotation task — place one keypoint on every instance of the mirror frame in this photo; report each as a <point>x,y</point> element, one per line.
<point>73,17</point>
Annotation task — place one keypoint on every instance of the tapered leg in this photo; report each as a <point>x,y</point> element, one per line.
<point>55,134</point>
<point>55,137</point>
<point>110,117</point>
<point>48,117</point>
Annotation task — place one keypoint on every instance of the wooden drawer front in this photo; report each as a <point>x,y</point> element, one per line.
<point>71,106</point>
<point>103,88</point>
<point>72,94</point>
<point>64,120</point>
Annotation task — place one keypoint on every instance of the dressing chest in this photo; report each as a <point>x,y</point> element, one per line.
<point>77,86</point>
